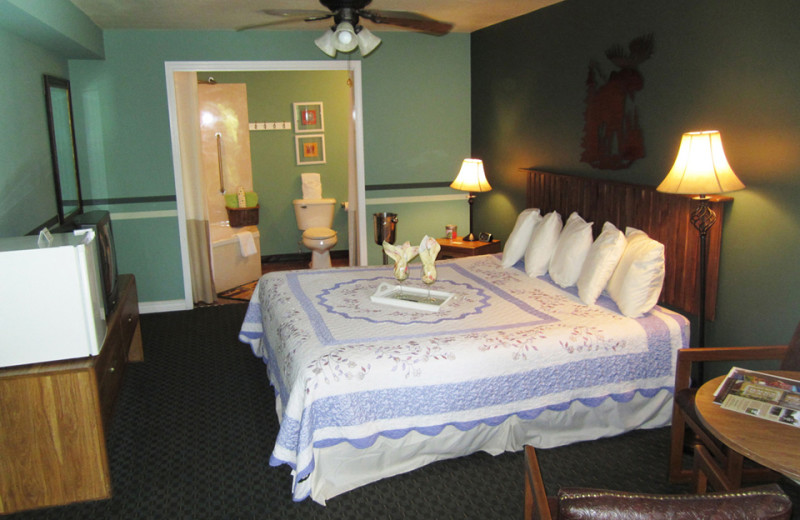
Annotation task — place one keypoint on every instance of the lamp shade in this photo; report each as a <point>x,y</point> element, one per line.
<point>701,167</point>
<point>325,43</point>
<point>471,177</point>
<point>367,42</point>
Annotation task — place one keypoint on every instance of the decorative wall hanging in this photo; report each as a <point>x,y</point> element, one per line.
<point>310,149</point>
<point>308,117</point>
<point>612,138</point>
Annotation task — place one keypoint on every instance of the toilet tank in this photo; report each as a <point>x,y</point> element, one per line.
<point>314,213</point>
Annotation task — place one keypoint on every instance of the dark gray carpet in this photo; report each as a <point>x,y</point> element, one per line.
<point>195,423</point>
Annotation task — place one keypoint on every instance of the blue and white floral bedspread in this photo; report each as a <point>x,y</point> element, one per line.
<point>346,369</point>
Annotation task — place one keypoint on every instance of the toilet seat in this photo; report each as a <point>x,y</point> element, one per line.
<point>319,233</point>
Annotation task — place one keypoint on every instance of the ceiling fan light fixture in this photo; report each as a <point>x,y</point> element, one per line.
<point>345,36</point>
<point>367,42</point>
<point>326,43</point>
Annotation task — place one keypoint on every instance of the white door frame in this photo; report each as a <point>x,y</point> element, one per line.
<point>171,67</point>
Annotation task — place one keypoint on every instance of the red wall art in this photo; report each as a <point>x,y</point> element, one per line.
<point>612,138</point>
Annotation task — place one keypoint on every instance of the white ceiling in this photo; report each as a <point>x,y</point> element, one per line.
<point>466,15</point>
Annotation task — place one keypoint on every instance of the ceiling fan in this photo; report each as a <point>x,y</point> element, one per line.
<point>346,34</point>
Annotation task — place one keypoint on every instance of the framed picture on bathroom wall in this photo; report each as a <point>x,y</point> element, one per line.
<point>310,149</point>
<point>308,117</point>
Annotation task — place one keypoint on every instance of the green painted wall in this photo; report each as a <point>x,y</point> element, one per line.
<point>36,38</point>
<point>27,193</point>
<point>276,175</point>
<point>415,220</point>
<point>55,25</point>
<point>732,66</point>
<point>149,237</point>
<point>416,94</point>
<point>416,108</point>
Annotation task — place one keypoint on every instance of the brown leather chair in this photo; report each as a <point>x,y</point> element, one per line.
<point>730,469</point>
<point>583,503</point>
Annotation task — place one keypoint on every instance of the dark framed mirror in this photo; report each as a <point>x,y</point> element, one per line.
<point>62,147</point>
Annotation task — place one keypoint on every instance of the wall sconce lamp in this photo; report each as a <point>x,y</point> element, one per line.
<point>701,169</point>
<point>471,178</point>
<point>344,37</point>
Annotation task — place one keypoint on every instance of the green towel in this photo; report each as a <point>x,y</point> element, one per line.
<point>252,199</point>
<point>232,201</point>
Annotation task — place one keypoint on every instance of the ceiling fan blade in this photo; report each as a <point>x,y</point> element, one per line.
<point>409,20</point>
<point>289,16</point>
<point>268,24</point>
<point>310,14</point>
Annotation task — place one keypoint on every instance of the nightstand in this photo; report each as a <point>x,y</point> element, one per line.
<point>459,249</point>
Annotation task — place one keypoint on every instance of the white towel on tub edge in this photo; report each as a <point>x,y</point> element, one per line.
<point>247,245</point>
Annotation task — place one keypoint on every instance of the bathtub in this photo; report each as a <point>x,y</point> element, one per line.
<point>229,268</point>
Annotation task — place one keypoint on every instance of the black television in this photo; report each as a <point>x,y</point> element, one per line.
<point>100,222</point>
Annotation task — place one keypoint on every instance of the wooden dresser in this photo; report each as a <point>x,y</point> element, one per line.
<point>52,417</point>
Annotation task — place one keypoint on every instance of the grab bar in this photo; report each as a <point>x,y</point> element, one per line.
<point>219,160</point>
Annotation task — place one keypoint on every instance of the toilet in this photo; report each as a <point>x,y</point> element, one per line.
<point>314,219</point>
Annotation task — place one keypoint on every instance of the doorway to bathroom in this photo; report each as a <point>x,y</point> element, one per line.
<point>226,178</point>
<point>343,169</point>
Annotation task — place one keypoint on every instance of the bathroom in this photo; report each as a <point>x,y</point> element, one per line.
<point>276,174</point>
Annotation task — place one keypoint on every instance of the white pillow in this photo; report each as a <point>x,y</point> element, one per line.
<point>636,283</point>
<point>571,249</point>
<point>600,263</point>
<point>518,240</point>
<point>542,244</point>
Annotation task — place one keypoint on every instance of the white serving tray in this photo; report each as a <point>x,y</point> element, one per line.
<point>417,298</point>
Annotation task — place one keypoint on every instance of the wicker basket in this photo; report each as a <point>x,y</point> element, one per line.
<point>240,217</point>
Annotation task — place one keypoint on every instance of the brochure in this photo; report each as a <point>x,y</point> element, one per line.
<point>762,395</point>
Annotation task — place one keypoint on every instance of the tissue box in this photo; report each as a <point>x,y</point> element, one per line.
<point>240,217</point>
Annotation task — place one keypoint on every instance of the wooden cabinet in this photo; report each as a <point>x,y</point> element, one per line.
<point>52,417</point>
<point>459,248</point>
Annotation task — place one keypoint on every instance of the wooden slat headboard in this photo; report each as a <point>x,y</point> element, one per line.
<point>662,216</point>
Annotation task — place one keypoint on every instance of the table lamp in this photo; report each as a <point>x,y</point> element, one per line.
<point>471,178</point>
<point>701,169</point>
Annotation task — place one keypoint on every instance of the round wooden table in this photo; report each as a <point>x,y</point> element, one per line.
<point>772,444</point>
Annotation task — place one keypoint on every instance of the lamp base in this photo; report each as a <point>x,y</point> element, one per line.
<point>468,238</point>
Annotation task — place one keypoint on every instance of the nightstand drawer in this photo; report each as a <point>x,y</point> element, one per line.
<point>129,313</point>
<point>109,368</point>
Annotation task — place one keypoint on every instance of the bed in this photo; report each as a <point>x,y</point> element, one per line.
<point>366,390</point>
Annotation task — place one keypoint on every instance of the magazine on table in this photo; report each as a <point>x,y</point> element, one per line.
<point>762,395</point>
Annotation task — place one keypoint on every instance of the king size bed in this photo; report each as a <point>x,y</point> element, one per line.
<point>366,390</point>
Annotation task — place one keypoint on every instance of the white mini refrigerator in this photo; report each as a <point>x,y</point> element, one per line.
<point>51,300</point>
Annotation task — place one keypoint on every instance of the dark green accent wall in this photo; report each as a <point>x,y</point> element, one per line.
<point>732,66</point>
